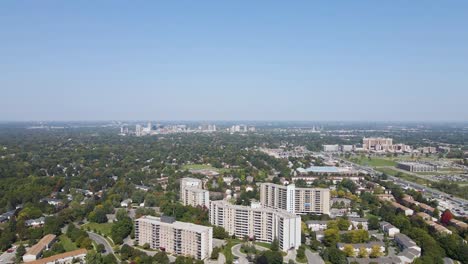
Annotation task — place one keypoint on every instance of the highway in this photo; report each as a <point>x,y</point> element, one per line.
<point>455,202</point>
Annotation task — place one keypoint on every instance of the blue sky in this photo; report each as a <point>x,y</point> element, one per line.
<point>234,60</point>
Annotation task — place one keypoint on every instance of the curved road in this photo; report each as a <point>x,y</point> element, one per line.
<point>101,240</point>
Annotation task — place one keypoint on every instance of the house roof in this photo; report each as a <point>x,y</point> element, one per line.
<point>60,256</point>
<point>39,247</point>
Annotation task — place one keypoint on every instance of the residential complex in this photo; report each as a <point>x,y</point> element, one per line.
<point>294,199</point>
<point>75,256</point>
<point>36,251</point>
<point>191,193</point>
<point>174,237</point>
<point>383,145</point>
<point>259,223</point>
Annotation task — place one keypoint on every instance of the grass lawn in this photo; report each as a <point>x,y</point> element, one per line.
<point>373,162</point>
<point>263,244</point>
<point>228,250</point>
<point>67,244</point>
<point>104,228</point>
<point>203,167</point>
<point>304,260</point>
<point>404,176</point>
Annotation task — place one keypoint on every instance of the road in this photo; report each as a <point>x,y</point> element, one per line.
<point>8,257</point>
<point>455,202</point>
<point>313,257</point>
<point>101,240</point>
<point>241,256</point>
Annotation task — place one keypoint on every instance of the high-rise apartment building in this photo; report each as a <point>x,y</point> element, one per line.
<point>260,223</point>
<point>192,193</point>
<point>174,237</point>
<point>294,199</point>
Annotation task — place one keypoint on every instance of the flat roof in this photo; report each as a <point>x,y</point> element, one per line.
<point>176,224</point>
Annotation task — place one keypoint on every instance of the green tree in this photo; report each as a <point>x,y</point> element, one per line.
<point>275,245</point>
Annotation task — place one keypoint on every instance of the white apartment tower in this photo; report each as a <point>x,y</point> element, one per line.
<point>192,193</point>
<point>262,224</point>
<point>174,237</point>
<point>295,200</point>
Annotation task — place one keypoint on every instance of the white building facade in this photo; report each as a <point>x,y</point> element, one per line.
<point>174,237</point>
<point>295,200</point>
<point>259,223</point>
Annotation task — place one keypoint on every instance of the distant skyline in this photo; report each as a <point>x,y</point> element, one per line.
<point>234,60</point>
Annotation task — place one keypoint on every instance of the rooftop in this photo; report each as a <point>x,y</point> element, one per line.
<point>60,256</point>
<point>39,247</point>
<point>175,224</point>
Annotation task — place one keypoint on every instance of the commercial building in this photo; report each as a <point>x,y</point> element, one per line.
<point>174,237</point>
<point>331,148</point>
<point>332,173</point>
<point>416,167</point>
<point>64,258</point>
<point>259,223</point>
<point>36,251</point>
<point>192,193</point>
<point>294,199</point>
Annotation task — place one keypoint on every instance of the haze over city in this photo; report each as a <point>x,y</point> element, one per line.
<point>238,60</point>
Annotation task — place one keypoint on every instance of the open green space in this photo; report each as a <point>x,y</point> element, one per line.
<point>104,228</point>
<point>403,175</point>
<point>227,251</point>
<point>373,162</point>
<point>203,167</point>
<point>263,244</point>
<point>67,244</point>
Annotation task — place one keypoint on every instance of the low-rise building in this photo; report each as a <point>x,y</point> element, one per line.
<point>389,229</point>
<point>409,250</point>
<point>36,250</point>
<point>126,203</point>
<point>317,225</point>
<point>416,167</point>
<point>38,222</point>
<point>64,258</point>
<point>356,222</point>
<point>366,246</point>
<point>458,224</point>
<point>405,209</point>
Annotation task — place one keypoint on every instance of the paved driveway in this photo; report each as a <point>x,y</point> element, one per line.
<point>8,257</point>
<point>313,257</point>
<point>101,240</point>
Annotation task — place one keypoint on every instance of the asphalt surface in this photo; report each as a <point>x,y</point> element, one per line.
<point>313,257</point>
<point>101,240</point>
<point>8,257</point>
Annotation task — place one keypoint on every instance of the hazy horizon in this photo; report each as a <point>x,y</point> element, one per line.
<point>226,61</point>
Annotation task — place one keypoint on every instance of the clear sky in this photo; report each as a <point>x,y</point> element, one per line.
<point>234,60</point>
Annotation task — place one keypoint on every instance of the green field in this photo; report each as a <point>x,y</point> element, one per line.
<point>227,251</point>
<point>373,162</point>
<point>404,176</point>
<point>104,228</point>
<point>203,167</point>
<point>67,244</point>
